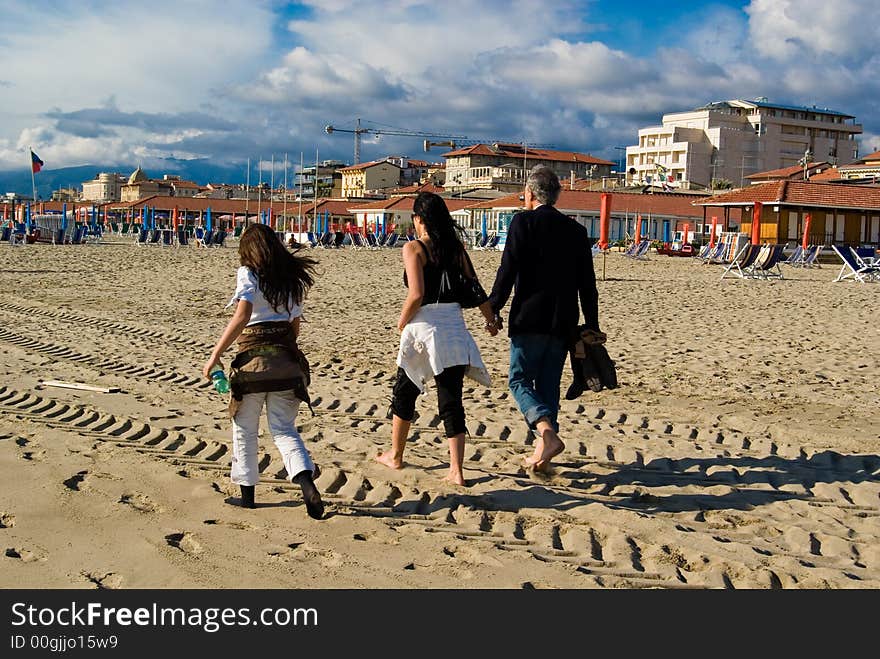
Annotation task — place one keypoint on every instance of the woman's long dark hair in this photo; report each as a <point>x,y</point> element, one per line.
<point>445,234</point>
<point>283,276</point>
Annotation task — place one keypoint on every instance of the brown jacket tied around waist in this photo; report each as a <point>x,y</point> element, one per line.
<point>268,359</point>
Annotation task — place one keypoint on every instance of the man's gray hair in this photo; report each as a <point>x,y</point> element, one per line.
<point>544,184</point>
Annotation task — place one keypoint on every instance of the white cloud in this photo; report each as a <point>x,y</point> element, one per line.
<point>786,29</point>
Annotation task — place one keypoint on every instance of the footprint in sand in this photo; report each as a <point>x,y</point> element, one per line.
<point>241,526</point>
<point>24,555</point>
<point>108,581</point>
<point>140,502</point>
<point>7,520</point>
<point>185,542</point>
<point>74,482</point>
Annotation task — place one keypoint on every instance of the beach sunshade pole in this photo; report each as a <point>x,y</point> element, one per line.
<point>712,234</point>
<point>756,223</point>
<point>638,231</point>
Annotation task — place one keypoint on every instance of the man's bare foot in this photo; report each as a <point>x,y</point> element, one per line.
<point>456,478</point>
<point>546,448</point>
<point>387,458</point>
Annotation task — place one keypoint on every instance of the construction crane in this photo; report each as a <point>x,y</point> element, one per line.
<point>359,130</point>
<point>450,141</point>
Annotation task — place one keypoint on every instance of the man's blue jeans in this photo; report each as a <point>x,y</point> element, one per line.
<point>536,362</point>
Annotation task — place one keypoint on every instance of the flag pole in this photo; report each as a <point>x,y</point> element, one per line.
<point>284,211</point>
<point>33,181</point>
<point>247,195</point>
<point>300,196</point>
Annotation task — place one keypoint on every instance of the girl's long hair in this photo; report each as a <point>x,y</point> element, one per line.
<point>283,276</point>
<point>445,234</point>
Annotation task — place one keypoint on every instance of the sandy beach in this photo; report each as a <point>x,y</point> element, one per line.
<point>741,450</point>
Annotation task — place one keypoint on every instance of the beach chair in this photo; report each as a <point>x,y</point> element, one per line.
<point>79,235</point>
<point>795,256</point>
<point>392,239</point>
<point>766,266</point>
<point>492,243</point>
<point>742,261</point>
<point>143,237</point>
<point>58,236</point>
<point>6,235</point>
<point>853,268</point>
<point>114,227</point>
<point>357,241</point>
<point>218,239</point>
<point>642,252</point>
<point>311,240</point>
<point>236,232</point>
<point>633,246</point>
<point>18,235</point>
<point>713,254</point>
<point>811,260</point>
<point>372,243</point>
<point>182,237</point>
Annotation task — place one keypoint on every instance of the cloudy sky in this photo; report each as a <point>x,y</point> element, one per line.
<point>99,82</point>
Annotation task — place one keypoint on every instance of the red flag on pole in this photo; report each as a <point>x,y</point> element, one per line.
<point>36,163</point>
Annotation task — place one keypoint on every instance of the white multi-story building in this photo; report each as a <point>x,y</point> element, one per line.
<point>104,188</point>
<point>728,140</point>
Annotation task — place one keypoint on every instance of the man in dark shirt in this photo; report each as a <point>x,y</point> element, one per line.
<point>547,257</point>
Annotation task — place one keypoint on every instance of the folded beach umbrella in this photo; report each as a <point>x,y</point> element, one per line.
<point>208,219</point>
<point>806,239</point>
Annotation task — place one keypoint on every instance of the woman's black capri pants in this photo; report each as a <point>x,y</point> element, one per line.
<point>449,385</point>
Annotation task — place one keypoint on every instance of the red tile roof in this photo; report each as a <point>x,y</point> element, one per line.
<point>801,193</point>
<point>406,204</point>
<point>365,165</point>
<point>415,189</point>
<point>871,157</point>
<point>670,205</point>
<point>787,172</point>
<point>516,151</point>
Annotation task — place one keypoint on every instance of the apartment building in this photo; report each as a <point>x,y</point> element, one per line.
<point>730,140</point>
<point>369,178</point>
<point>104,188</point>
<point>505,167</point>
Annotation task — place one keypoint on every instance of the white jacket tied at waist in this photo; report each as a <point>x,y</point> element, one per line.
<point>435,339</point>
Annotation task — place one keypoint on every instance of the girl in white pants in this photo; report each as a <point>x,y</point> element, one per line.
<point>270,288</point>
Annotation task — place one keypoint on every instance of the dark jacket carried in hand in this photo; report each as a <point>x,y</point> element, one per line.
<point>591,366</point>
<point>547,257</point>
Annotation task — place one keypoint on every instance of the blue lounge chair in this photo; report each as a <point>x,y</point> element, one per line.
<point>143,237</point>
<point>218,239</point>
<point>742,261</point>
<point>392,239</point>
<point>854,268</point>
<point>766,266</point>
<point>182,237</point>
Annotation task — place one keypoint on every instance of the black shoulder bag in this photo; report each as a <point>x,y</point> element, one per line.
<point>466,290</point>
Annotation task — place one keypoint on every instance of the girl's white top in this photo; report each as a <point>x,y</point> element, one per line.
<point>435,339</point>
<point>247,287</point>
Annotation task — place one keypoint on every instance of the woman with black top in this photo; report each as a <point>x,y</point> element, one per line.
<point>435,342</point>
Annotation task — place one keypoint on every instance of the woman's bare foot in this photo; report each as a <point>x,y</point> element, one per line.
<point>387,458</point>
<point>456,478</point>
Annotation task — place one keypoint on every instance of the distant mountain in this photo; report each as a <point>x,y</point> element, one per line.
<point>48,180</point>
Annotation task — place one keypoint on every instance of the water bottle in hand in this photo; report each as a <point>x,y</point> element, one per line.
<point>218,377</point>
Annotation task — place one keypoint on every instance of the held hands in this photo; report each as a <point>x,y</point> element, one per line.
<point>494,325</point>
